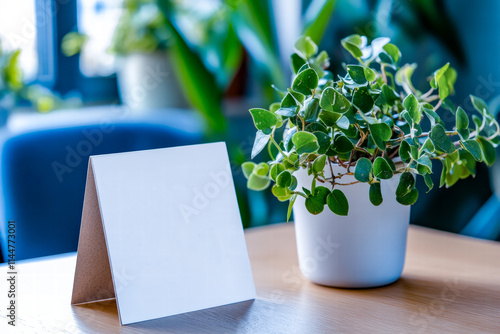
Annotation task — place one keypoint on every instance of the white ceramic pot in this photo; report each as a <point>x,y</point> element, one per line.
<point>362,250</point>
<point>146,81</point>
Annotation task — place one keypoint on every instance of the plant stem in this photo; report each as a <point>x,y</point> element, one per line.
<point>279,149</point>
<point>349,163</point>
<point>393,154</point>
<point>408,165</point>
<point>426,134</point>
<point>382,69</point>
<point>432,98</point>
<point>346,184</point>
<point>436,107</point>
<point>303,123</point>
<point>495,134</point>
<point>300,194</point>
<point>331,171</point>
<point>429,92</point>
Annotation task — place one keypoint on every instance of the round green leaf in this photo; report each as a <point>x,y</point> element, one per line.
<point>357,74</point>
<point>319,164</point>
<point>332,100</point>
<point>375,194</point>
<point>284,179</point>
<point>369,74</point>
<point>261,169</point>
<point>281,194</point>
<point>382,169</point>
<point>342,144</point>
<point>352,44</point>
<point>316,202</point>
<point>247,168</point>
<point>391,163</point>
<point>314,127</point>
<point>489,153</point>
<point>468,161</point>
<point>409,198</point>
<point>343,123</point>
<point>291,162</point>
<point>428,182</point>
<point>363,100</point>
<point>424,165</point>
<point>297,96</point>
<point>337,202</point>
<point>411,104</point>
<point>297,62</point>
<point>380,132</point>
<point>406,184</point>
<point>278,191</point>
<point>393,51</point>
<point>293,184</point>
<point>264,120</point>
<point>474,148</point>
<point>324,141</point>
<point>305,82</point>
<point>311,110</point>
<point>462,119</point>
<point>258,182</point>
<point>363,170</point>
<point>479,104</point>
<point>276,169</point>
<point>288,106</point>
<point>440,140</point>
<point>389,94</point>
<point>404,151</point>
<point>305,142</point>
<point>427,147</point>
<point>306,47</point>
<point>328,117</point>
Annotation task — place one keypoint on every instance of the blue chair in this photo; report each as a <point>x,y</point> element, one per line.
<point>44,173</point>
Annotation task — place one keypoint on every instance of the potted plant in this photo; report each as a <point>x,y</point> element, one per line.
<point>346,151</point>
<point>144,72</point>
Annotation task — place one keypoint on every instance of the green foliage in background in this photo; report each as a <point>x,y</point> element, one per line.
<point>368,121</point>
<point>253,21</point>
<point>141,28</point>
<point>11,75</point>
<point>72,43</point>
<point>12,86</point>
<point>206,47</point>
<point>207,50</point>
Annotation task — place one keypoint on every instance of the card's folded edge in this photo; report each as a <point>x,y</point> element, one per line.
<point>93,281</point>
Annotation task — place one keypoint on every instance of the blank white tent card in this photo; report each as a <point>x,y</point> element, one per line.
<point>172,233</point>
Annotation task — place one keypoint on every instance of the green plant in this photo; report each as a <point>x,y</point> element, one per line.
<point>253,22</point>
<point>12,87</point>
<point>11,75</point>
<point>363,121</point>
<point>217,39</point>
<point>141,28</point>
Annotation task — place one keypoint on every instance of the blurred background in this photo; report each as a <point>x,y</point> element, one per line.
<point>86,77</point>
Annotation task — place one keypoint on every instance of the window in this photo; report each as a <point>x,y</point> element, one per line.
<point>18,31</point>
<point>97,19</point>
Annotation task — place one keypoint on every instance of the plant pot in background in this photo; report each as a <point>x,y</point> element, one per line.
<point>364,249</point>
<point>146,81</point>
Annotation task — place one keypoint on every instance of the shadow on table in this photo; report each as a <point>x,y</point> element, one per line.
<point>225,318</point>
<point>254,316</point>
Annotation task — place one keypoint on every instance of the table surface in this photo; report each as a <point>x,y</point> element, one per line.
<point>450,284</point>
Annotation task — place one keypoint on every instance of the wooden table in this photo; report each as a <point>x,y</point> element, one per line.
<point>451,284</point>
